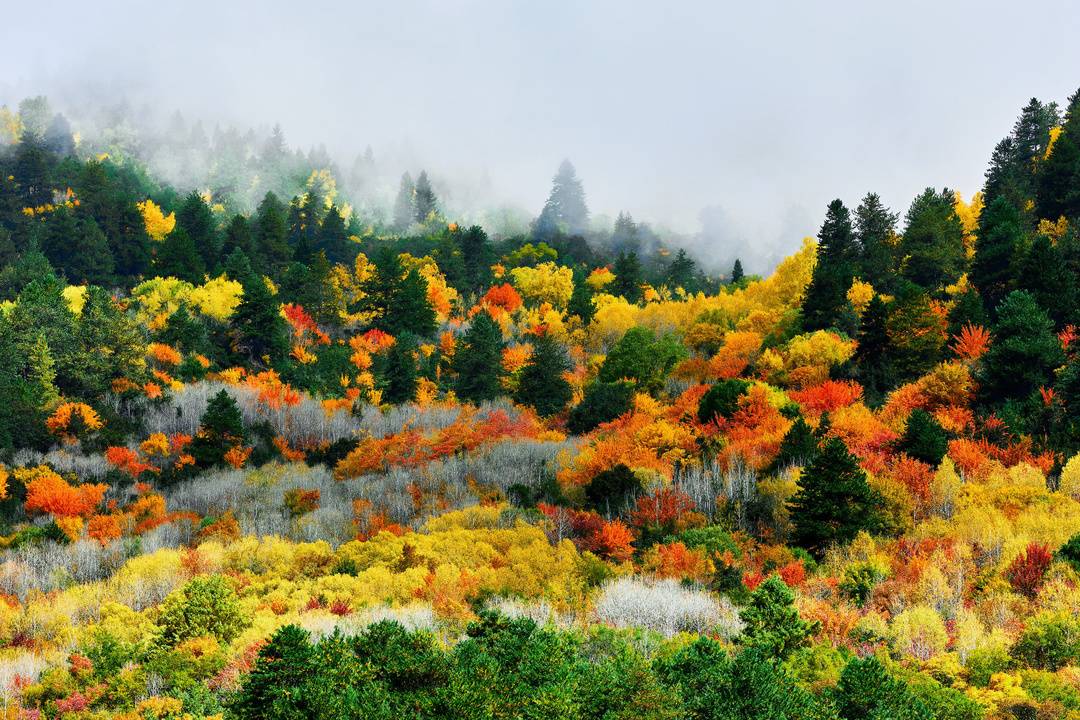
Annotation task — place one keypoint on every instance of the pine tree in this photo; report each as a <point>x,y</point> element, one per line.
<point>624,235</point>
<point>875,230</point>
<point>1010,175</point>
<point>405,204</point>
<point>773,625</point>
<point>259,330</point>
<point>271,233</point>
<point>221,428</point>
<point>1043,273</point>
<point>272,690</point>
<point>581,300</point>
<point>427,205</point>
<point>411,310</point>
<point>541,385</point>
<point>477,257</point>
<point>1058,190</point>
<point>999,237</point>
<point>872,351</point>
<point>197,221</point>
<point>933,241</point>
<point>867,692</point>
<point>737,273</point>
<point>399,377</point>
<point>238,237</point>
<point>42,371</point>
<point>627,282</point>
<point>924,439</point>
<point>179,257</point>
<point>826,297</point>
<point>682,271</point>
<point>108,343</point>
<point>478,360</point>
<point>565,210</point>
<point>834,502</point>
<point>1025,351</point>
<point>799,446</point>
<point>334,238</point>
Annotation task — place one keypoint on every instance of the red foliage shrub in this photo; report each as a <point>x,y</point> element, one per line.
<point>1027,571</point>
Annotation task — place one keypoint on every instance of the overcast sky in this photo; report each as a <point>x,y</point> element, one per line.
<point>760,111</point>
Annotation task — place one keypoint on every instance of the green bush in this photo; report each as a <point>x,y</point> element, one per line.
<point>204,606</point>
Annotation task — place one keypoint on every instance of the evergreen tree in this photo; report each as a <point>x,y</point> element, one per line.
<point>722,400</point>
<point>541,385</point>
<point>1025,351</point>
<point>75,244</point>
<point>108,343</point>
<point>875,230</point>
<point>624,235</point>
<point>1058,192</point>
<point>872,351</point>
<point>999,237</point>
<point>682,272</point>
<point>238,237</point>
<point>477,257</point>
<point>411,311</point>
<point>737,272</point>
<point>565,210</point>
<point>627,282</point>
<point>221,428</point>
<point>197,221</point>
<point>799,446</point>
<point>867,692</point>
<point>773,625</point>
<point>834,502</point>
<point>478,360</point>
<point>334,238</point>
<point>916,334</point>
<point>107,199</point>
<point>179,257</point>
<point>273,689</point>
<point>1044,275</point>
<point>933,241</point>
<point>425,201</point>
<point>581,300</point>
<point>258,328</point>
<point>603,402</point>
<point>405,204</point>
<point>826,296</point>
<point>271,233</point>
<point>399,376</point>
<point>642,358</point>
<point>924,439</point>
<point>1010,174</point>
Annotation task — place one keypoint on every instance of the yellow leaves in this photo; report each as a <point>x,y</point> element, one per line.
<point>860,294</point>
<point>1054,230</point>
<point>75,297</point>
<point>217,298</point>
<point>1070,478</point>
<point>1055,133</point>
<point>4,475</point>
<point>157,224</point>
<point>600,278</point>
<point>546,282</point>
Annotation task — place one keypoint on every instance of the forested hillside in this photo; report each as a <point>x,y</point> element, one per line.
<point>271,450</point>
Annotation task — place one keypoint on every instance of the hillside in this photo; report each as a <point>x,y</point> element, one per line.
<point>272,452</point>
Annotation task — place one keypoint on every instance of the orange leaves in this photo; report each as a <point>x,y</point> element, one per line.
<point>104,528</point>
<point>71,419</point>
<point>237,455</point>
<point>289,453</point>
<point>515,357</point>
<point>300,501</point>
<point>503,297</point>
<point>4,475</point>
<point>675,560</point>
<point>128,461</point>
<point>971,343</point>
<point>739,350</point>
<point>368,344</point>
<point>613,539</point>
<point>661,509</point>
<point>827,397</point>
<point>47,492</point>
<point>163,354</point>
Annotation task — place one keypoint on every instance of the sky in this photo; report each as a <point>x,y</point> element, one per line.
<point>742,118</point>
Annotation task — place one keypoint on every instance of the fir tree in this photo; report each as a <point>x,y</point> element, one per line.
<point>924,439</point>
<point>221,428</point>
<point>1044,275</point>
<point>259,330</point>
<point>627,282</point>
<point>999,237</point>
<point>933,241</point>
<point>737,273</point>
<point>478,360</point>
<point>405,204</point>
<point>411,311</point>
<point>872,351</point>
<point>565,210</point>
<point>581,300</point>
<point>773,625</point>
<point>273,689</point>
<point>271,233</point>
<point>334,238</point>
<point>875,230</point>
<point>826,297</point>
<point>1025,351</point>
<point>399,376</point>
<point>682,272</point>
<point>425,201</point>
<point>799,446</point>
<point>477,257</point>
<point>197,221</point>
<point>179,257</point>
<point>238,236</point>
<point>541,385</point>
<point>834,502</point>
<point>1059,174</point>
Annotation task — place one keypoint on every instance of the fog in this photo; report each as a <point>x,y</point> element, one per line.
<point>733,122</point>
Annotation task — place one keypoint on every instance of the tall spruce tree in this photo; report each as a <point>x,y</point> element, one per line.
<point>737,273</point>
<point>258,328</point>
<point>565,210</point>
<point>541,385</point>
<point>834,502</point>
<point>334,238</point>
<point>399,381</point>
<point>195,218</point>
<point>405,204</point>
<point>933,241</point>
<point>478,360</point>
<point>837,253</point>
<point>999,238</point>
<point>1058,192</point>
<point>875,230</point>
<point>1024,354</point>
<point>627,282</point>
<point>271,233</point>
<point>426,203</point>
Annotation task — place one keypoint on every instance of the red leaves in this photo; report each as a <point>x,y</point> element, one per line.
<point>1027,571</point>
<point>971,343</point>
<point>502,296</point>
<point>827,396</point>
